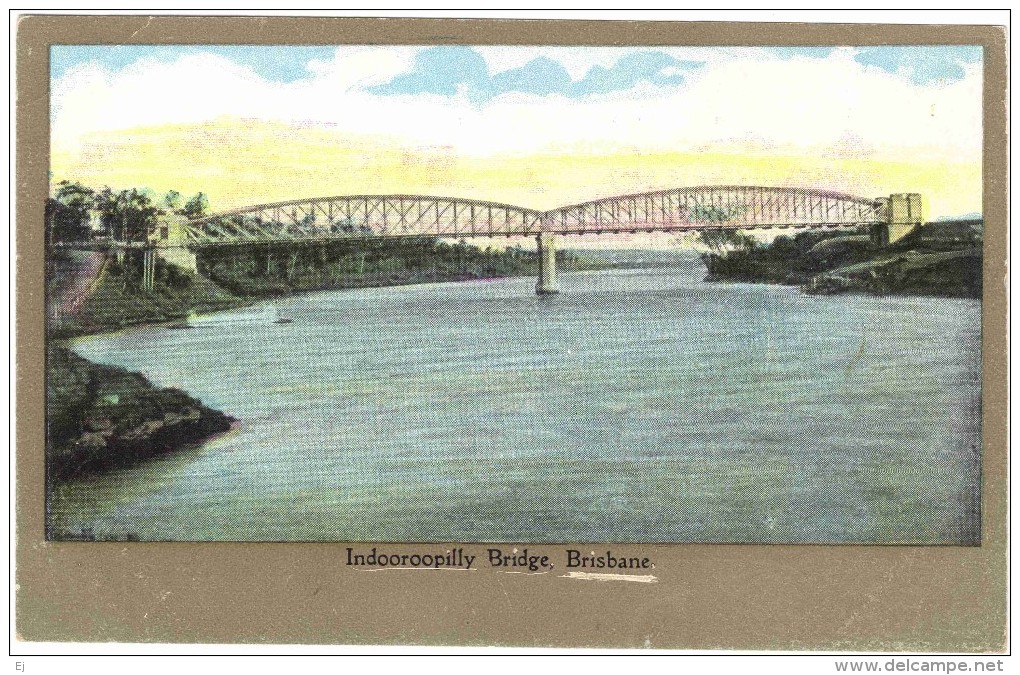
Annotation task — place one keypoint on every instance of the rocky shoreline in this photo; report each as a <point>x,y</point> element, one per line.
<point>103,417</point>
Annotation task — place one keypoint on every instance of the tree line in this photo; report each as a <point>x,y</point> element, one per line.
<point>786,259</point>
<point>125,215</point>
<point>281,268</point>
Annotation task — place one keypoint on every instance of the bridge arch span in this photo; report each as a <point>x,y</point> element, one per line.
<point>710,207</point>
<point>327,218</point>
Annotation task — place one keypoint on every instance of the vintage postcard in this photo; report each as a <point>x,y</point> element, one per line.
<point>519,306</point>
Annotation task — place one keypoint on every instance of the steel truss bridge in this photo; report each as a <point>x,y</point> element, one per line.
<point>690,209</point>
<point>678,210</point>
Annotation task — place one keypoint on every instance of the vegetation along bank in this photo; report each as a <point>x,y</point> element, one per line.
<point>940,259</point>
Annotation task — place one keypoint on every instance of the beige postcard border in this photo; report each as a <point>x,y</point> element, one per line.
<point>847,598</point>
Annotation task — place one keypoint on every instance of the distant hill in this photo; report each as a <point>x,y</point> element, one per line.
<point>966,216</point>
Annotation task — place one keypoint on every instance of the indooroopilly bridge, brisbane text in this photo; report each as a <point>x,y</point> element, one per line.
<point>507,560</point>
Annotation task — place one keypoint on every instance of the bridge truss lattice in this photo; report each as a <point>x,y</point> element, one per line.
<point>676,210</point>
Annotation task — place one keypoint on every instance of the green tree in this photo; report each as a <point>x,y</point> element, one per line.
<point>196,206</point>
<point>172,201</point>
<point>721,242</point>
<point>67,212</point>
<point>129,215</point>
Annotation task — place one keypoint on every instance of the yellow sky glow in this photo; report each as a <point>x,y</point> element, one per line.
<point>242,162</point>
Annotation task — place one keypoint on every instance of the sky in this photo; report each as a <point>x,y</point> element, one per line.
<point>535,126</point>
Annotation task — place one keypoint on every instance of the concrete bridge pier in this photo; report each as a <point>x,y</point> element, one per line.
<point>546,264</point>
<point>148,269</point>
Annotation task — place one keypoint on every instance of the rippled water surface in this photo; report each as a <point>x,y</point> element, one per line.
<point>637,406</point>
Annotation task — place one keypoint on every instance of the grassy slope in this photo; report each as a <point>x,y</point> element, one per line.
<point>947,273</point>
<point>825,262</point>
<point>116,300</point>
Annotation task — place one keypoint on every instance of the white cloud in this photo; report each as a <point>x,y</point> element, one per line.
<point>577,61</point>
<point>741,98</point>
<point>363,66</point>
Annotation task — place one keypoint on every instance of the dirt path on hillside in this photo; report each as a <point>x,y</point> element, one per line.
<point>76,279</point>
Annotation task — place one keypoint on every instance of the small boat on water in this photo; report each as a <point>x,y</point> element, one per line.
<point>183,324</point>
<point>274,313</point>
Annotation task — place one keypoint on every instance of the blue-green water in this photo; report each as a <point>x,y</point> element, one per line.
<point>637,406</point>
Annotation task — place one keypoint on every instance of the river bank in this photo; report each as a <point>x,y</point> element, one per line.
<point>91,292</point>
<point>826,263</point>
<point>113,300</point>
<point>951,274</point>
<point>101,417</point>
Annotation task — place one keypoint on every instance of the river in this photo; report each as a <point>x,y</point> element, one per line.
<point>636,406</point>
